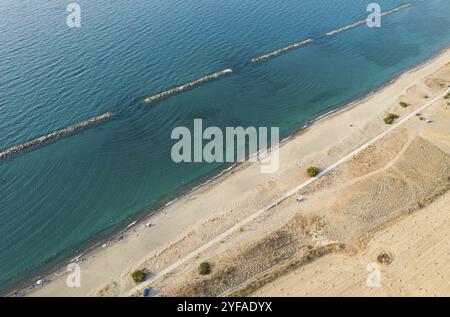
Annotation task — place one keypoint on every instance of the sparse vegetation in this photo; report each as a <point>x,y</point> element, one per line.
<point>403,104</point>
<point>447,96</point>
<point>426,96</point>
<point>138,276</point>
<point>313,171</point>
<point>204,268</point>
<point>390,118</point>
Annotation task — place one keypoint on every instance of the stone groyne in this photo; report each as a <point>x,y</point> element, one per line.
<point>187,86</point>
<point>356,24</point>
<point>281,51</point>
<point>55,135</point>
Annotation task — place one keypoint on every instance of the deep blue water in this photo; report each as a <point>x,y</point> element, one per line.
<point>59,198</point>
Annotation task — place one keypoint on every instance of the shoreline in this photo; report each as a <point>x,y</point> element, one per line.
<point>207,182</point>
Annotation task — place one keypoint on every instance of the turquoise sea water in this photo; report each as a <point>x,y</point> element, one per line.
<point>62,197</point>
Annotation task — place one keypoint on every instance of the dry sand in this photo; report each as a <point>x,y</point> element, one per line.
<point>420,250</point>
<point>390,197</point>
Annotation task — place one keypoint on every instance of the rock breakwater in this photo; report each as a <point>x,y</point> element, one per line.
<point>54,135</point>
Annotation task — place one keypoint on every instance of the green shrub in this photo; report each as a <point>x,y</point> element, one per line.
<point>403,104</point>
<point>390,118</point>
<point>204,268</point>
<point>138,276</point>
<point>447,96</point>
<point>384,258</point>
<point>312,171</point>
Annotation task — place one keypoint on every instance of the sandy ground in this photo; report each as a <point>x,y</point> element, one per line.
<point>420,250</point>
<point>391,194</point>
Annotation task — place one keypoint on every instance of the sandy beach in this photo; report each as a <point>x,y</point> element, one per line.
<point>390,197</point>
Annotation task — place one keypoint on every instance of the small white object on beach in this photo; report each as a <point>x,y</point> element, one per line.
<point>104,245</point>
<point>148,225</point>
<point>40,282</point>
<point>300,199</point>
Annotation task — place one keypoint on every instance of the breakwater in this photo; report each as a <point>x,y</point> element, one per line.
<point>51,136</point>
<point>189,85</point>
<point>281,51</point>
<point>356,24</point>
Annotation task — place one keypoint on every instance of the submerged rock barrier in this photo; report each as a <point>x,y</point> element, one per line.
<point>55,135</point>
<point>281,51</point>
<point>356,24</point>
<point>187,86</point>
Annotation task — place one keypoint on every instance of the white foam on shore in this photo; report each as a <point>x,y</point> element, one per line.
<point>189,85</point>
<point>131,224</point>
<point>361,22</point>
<point>55,135</point>
<point>194,188</point>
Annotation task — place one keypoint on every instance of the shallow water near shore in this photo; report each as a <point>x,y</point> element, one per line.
<point>60,198</point>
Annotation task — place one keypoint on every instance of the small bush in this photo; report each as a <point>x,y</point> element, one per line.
<point>204,268</point>
<point>390,118</point>
<point>138,276</point>
<point>312,171</point>
<point>403,104</point>
<point>426,96</point>
<point>447,96</point>
<point>384,258</point>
